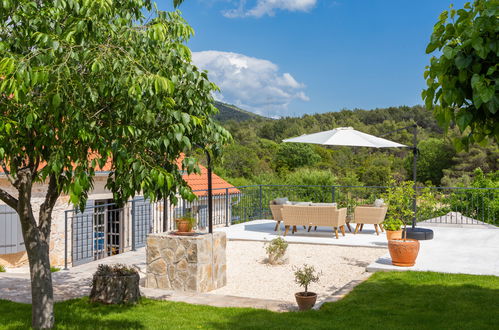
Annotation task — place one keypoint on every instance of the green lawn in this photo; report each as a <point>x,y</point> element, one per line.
<point>395,300</point>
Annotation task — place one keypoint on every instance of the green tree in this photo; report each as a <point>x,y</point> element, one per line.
<point>293,155</point>
<point>239,161</point>
<point>82,83</point>
<point>435,155</point>
<point>463,82</point>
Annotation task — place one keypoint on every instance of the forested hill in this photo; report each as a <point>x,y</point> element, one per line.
<point>231,112</point>
<point>258,155</point>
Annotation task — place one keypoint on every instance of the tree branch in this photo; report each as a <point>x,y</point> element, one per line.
<point>8,199</point>
<point>45,214</point>
<point>7,173</point>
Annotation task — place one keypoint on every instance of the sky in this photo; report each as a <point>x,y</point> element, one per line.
<point>293,57</point>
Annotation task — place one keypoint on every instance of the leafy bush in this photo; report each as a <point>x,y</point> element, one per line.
<point>480,204</point>
<point>189,218</point>
<point>306,275</point>
<point>392,224</point>
<point>2,269</point>
<point>276,249</point>
<point>399,198</point>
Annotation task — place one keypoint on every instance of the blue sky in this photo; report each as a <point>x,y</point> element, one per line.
<point>291,57</point>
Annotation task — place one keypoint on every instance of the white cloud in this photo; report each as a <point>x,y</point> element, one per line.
<point>250,83</point>
<point>269,7</point>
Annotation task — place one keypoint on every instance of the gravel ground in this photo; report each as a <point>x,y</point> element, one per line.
<point>248,274</point>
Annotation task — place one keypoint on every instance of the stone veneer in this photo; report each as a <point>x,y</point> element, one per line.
<point>186,263</point>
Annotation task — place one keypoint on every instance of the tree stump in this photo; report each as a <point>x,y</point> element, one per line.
<point>115,287</point>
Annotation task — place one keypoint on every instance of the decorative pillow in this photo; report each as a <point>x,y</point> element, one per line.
<point>280,201</point>
<point>379,202</point>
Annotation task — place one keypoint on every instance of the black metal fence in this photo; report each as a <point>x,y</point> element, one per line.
<point>103,230</point>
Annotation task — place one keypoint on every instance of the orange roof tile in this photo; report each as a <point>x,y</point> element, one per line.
<point>200,182</point>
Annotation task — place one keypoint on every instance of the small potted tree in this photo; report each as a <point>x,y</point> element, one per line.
<point>403,251</point>
<point>304,276</point>
<point>393,228</point>
<point>185,224</point>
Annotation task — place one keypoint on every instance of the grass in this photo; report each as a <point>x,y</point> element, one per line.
<point>395,300</point>
<point>54,269</point>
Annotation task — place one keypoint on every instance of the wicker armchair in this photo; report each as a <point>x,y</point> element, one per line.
<point>369,215</point>
<point>276,214</point>
<point>328,216</point>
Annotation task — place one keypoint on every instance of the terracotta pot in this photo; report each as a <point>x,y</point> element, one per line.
<point>305,302</point>
<point>183,226</point>
<point>403,252</point>
<point>393,234</point>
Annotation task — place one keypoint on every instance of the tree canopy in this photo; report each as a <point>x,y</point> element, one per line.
<point>85,83</point>
<point>463,80</point>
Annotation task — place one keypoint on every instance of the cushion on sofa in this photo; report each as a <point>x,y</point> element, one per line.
<point>324,204</point>
<point>280,201</point>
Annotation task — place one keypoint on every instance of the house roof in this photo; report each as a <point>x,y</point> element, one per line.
<point>199,183</point>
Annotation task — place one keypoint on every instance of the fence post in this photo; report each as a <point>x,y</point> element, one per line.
<point>133,225</point>
<point>261,202</point>
<point>227,207</point>
<point>333,194</point>
<point>65,240</point>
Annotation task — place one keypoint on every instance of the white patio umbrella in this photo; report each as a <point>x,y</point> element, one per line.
<point>345,136</point>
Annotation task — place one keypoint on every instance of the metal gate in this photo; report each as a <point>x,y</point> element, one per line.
<point>103,229</point>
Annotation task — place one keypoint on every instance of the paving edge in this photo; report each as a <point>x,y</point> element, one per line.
<point>341,292</point>
<point>217,300</point>
<point>308,243</point>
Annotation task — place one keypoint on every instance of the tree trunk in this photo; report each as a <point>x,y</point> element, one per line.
<point>42,294</point>
<point>37,241</point>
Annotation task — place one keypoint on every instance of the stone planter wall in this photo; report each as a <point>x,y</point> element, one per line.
<point>186,263</point>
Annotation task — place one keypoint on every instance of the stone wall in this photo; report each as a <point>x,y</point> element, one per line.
<point>186,263</point>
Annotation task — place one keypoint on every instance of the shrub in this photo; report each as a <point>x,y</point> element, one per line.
<point>2,269</point>
<point>392,224</point>
<point>276,249</point>
<point>306,275</point>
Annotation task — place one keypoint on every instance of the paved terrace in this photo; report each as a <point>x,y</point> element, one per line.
<point>467,249</point>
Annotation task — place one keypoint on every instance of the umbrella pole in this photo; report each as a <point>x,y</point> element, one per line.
<point>415,175</point>
<point>413,232</point>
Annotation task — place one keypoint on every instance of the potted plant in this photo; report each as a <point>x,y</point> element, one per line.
<point>304,276</point>
<point>399,198</point>
<point>276,251</point>
<point>393,228</point>
<point>185,223</point>
<point>115,284</point>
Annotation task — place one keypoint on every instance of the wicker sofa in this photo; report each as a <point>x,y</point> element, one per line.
<point>313,215</point>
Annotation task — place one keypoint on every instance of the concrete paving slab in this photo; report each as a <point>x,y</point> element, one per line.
<point>454,249</point>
